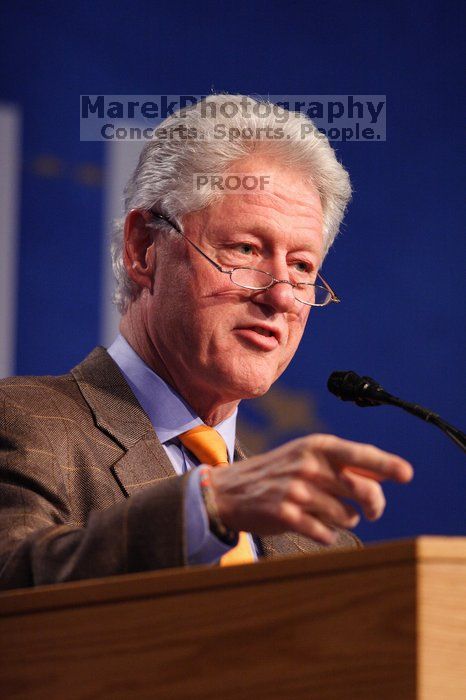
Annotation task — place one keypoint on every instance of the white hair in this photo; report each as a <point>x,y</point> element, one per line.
<point>188,142</point>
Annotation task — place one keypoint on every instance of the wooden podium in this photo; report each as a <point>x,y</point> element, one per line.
<point>385,622</point>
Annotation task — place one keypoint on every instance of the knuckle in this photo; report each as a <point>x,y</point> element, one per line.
<point>382,500</point>
<point>374,498</point>
<point>322,533</point>
<point>285,515</point>
<point>295,490</point>
<point>307,468</point>
<point>369,492</point>
<point>321,440</point>
<point>338,513</point>
<point>299,450</point>
<point>337,516</point>
<point>311,499</point>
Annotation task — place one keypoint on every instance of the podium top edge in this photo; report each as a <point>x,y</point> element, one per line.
<point>152,584</point>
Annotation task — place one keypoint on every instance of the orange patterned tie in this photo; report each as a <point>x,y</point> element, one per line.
<point>209,447</point>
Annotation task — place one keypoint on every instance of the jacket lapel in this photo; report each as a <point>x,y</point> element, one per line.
<point>118,414</point>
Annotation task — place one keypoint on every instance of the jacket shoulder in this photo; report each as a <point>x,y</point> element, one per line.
<point>33,394</point>
<point>29,392</point>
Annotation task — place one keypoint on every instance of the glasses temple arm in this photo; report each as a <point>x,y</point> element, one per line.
<point>177,228</point>
<point>328,287</point>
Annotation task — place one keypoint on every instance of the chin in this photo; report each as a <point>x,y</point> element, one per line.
<point>249,387</point>
<point>240,375</point>
<point>258,391</point>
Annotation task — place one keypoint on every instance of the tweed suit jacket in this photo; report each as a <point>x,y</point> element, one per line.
<point>86,488</point>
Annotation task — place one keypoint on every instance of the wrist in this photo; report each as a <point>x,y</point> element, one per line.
<point>216,525</point>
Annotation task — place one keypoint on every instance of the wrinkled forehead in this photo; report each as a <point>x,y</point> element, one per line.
<point>288,201</point>
<point>276,190</point>
<point>290,206</point>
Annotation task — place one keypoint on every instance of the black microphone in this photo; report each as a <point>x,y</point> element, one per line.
<point>364,391</point>
<point>349,386</point>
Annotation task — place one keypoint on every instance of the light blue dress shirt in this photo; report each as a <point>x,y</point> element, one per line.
<point>171,416</point>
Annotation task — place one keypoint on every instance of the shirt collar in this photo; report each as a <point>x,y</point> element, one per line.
<point>169,414</point>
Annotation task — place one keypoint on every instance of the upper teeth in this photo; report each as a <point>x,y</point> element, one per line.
<point>262,331</point>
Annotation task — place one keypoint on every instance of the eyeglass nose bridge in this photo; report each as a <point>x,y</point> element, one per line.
<point>272,283</point>
<point>275,281</point>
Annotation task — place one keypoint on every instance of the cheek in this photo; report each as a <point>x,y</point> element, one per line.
<point>295,333</point>
<point>199,313</point>
<point>298,325</point>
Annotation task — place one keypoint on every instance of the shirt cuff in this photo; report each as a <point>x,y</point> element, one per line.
<point>203,546</point>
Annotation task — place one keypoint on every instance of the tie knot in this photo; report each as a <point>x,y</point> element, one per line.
<point>206,444</point>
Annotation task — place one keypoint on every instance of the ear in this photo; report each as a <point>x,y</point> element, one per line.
<point>139,249</point>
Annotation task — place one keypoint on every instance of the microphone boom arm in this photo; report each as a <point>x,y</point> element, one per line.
<point>364,391</point>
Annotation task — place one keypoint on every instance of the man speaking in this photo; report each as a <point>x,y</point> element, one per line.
<point>130,462</point>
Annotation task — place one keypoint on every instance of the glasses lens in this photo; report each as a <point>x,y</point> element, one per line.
<point>249,278</point>
<point>312,294</point>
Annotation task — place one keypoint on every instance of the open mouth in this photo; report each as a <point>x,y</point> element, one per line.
<point>260,337</point>
<point>262,331</point>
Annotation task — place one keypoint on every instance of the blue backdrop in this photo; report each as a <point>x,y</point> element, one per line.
<point>398,265</point>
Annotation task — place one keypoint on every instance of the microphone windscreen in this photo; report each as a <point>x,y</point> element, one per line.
<point>344,384</point>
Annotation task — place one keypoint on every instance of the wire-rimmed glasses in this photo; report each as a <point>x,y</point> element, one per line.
<point>259,280</point>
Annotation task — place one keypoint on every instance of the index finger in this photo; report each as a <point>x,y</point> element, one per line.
<point>367,460</point>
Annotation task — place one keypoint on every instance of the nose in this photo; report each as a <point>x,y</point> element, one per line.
<point>279,296</point>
